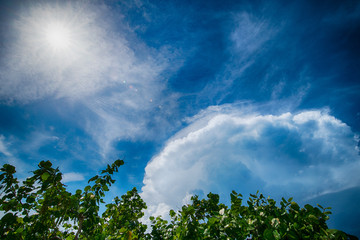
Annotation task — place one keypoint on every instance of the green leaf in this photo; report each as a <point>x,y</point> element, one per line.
<point>45,164</point>
<point>93,178</point>
<point>213,220</point>
<point>268,234</point>
<point>45,176</point>
<point>311,216</point>
<point>19,230</point>
<point>119,162</point>
<point>277,235</point>
<point>172,213</point>
<point>320,206</point>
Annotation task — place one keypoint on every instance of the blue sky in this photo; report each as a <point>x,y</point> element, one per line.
<point>195,96</point>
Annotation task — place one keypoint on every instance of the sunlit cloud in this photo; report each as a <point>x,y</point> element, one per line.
<point>76,52</point>
<point>222,150</point>
<point>70,50</point>
<point>58,36</point>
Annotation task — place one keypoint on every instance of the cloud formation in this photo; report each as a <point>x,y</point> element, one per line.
<point>226,149</point>
<point>96,56</point>
<point>102,68</point>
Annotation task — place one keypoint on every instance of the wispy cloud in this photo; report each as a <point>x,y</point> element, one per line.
<point>310,151</point>
<point>9,156</point>
<point>104,68</point>
<point>250,33</point>
<point>96,58</point>
<point>248,41</point>
<point>3,147</point>
<point>72,177</point>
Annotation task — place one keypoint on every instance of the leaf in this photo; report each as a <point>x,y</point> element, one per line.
<point>311,216</point>
<point>45,164</point>
<point>191,210</point>
<point>30,199</point>
<point>93,178</point>
<point>277,235</point>
<point>45,176</point>
<point>172,213</point>
<point>213,220</point>
<point>19,230</point>
<point>9,218</point>
<point>119,162</point>
<point>268,234</point>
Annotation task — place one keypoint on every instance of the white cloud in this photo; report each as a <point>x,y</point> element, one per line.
<point>303,154</point>
<point>103,67</point>
<point>3,147</point>
<point>72,177</point>
<point>246,42</point>
<point>250,33</point>
<point>97,56</point>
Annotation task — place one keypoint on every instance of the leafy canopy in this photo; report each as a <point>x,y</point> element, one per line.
<point>42,208</point>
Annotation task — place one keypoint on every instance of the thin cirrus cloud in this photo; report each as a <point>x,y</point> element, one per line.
<point>226,149</point>
<point>248,43</point>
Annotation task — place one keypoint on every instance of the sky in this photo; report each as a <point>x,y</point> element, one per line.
<point>195,96</point>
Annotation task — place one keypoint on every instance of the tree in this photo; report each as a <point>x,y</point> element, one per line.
<point>42,208</point>
<point>259,219</point>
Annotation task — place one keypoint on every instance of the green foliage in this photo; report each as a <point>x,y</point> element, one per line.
<point>259,219</point>
<point>42,208</point>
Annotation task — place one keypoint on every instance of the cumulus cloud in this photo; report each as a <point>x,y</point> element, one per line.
<point>227,149</point>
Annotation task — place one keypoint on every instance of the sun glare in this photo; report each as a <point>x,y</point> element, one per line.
<point>60,33</point>
<point>58,36</point>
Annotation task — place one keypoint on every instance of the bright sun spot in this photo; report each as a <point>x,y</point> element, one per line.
<point>58,36</point>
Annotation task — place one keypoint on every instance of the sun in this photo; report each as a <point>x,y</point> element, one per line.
<point>58,36</point>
